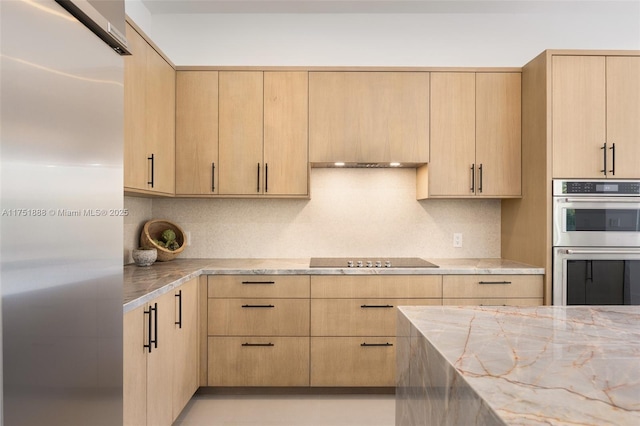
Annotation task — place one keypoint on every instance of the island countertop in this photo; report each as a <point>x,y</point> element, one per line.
<point>142,284</point>
<point>519,366</point>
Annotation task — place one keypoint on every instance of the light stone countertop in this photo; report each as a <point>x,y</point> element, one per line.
<point>531,365</point>
<point>142,284</point>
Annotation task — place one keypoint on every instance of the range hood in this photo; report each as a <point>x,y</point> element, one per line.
<point>367,165</point>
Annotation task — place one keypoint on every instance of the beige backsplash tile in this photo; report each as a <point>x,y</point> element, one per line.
<point>351,212</point>
<point>140,211</point>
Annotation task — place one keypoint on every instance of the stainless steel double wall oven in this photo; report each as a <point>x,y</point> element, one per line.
<point>596,242</point>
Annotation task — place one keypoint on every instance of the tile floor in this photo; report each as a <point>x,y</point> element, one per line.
<point>289,410</point>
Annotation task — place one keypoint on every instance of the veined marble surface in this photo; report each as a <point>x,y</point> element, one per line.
<point>576,365</point>
<point>142,284</point>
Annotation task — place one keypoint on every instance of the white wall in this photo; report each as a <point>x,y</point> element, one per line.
<point>424,39</point>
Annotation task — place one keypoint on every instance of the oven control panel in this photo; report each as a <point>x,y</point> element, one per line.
<point>583,187</point>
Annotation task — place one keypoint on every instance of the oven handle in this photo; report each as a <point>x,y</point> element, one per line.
<point>602,199</point>
<point>587,251</point>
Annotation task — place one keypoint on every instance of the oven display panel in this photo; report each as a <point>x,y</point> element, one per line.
<point>621,188</point>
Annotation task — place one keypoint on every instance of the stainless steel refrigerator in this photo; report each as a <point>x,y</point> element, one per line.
<point>61,211</point>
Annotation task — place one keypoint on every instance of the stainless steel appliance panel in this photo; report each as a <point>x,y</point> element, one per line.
<point>596,276</point>
<point>61,221</point>
<point>596,221</point>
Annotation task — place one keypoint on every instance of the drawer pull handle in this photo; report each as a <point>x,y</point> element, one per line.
<point>494,282</point>
<point>376,344</point>
<point>258,306</point>
<point>258,282</point>
<point>376,306</point>
<point>258,344</point>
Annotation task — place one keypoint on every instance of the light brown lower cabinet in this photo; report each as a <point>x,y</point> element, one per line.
<point>185,362</point>
<point>330,330</point>
<point>353,325</point>
<point>353,361</point>
<point>492,287</point>
<point>159,357</point>
<point>258,361</point>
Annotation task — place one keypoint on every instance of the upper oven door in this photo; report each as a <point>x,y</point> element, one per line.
<point>596,221</point>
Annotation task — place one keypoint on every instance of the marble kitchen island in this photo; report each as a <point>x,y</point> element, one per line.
<point>518,366</point>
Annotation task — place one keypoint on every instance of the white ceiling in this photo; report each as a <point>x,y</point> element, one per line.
<point>158,7</point>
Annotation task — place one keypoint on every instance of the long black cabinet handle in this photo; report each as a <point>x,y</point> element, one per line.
<point>258,306</point>
<point>153,325</point>
<point>376,344</point>
<point>152,159</point>
<point>258,344</point>
<point>213,177</point>
<point>179,296</point>
<point>376,306</point>
<point>494,282</point>
<point>604,158</point>
<point>258,282</point>
<point>473,178</point>
<point>480,183</point>
<point>258,186</point>
<point>266,177</point>
<point>613,159</point>
<point>149,327</point>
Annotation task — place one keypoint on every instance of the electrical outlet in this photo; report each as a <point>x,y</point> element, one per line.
<point>187,237</point>
<point>457,240</point>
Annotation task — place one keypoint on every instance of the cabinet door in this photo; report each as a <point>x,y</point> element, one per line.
<point>353,361</point>
<point>258,361</point>
<point>578,116</point>
<point>369,117</point>
<point>134,365</point>
<point>160,364</point>
<point>286,148</point>
<point>623,112</point>
<point>498,134</point>
<point>196,132</point>
<point>160,122</point>
<point>185,371</point>
<point>240,132</point>
<point>135,152</point>
<point>453,122</point>
<point>492,286</point>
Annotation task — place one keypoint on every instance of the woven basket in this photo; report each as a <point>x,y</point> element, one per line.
<point>153,230</point>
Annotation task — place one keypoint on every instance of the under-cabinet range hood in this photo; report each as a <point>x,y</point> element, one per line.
<point>367,165</point>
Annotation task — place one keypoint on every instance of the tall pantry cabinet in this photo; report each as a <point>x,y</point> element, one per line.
<point>575,106</point>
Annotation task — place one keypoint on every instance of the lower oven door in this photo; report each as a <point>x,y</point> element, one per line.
<point>596,276</point>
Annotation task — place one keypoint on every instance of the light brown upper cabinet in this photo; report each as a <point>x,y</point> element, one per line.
<point>475,135</point>
<point>263,146</point>
<point>196,132</point>
<point>286,140</point>
<point>149,148</point>
<point>595,110</point>
<point>369,117</point>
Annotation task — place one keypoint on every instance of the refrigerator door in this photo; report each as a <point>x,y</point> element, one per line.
<point>61,219</point>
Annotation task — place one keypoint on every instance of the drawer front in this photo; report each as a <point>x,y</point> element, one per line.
<point>376,286</point>
<point>492,286</point>
<point>359,317</point>
<point>258,286</point>
<point>258,317</point>
<point>353,361</point>
<point>258,361</point>
<point>533,301</point>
